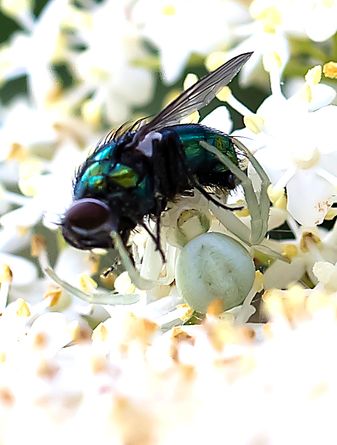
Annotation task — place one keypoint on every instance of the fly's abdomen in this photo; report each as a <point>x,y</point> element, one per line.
<point>206,166</point>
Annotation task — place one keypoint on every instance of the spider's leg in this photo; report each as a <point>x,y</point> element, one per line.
<point>259,216</point>
<point>265,183</point>
<point>110,298</point>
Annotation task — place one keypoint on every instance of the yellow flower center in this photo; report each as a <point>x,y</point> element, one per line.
<point>327,3</point>
<point>307,158</point>
<point>169,10</point>
<point>330,70</point>
<point>215,59</point>
<point>224,94</point>
<point>254,123</point>
<point>290,251</point>
<point>22,308</point>
<point>270,17</point>
<point>308,239</point>
<point>87,284</point>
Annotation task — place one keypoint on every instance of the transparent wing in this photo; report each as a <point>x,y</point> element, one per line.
<point>196,97</point>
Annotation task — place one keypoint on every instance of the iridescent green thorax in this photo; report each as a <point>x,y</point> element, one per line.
<point>102,172</point>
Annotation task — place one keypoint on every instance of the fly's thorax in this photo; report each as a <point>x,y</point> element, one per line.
<point>103,172</point>
<point>115,174</point>
<point>104,176</point>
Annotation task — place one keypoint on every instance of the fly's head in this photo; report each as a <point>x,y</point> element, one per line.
<point>88,223</point>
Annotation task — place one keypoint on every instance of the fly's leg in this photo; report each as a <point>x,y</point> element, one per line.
<point>258,207</point>
<point>167,174</point>
<point>155,238</point>
<point>209,197</point>
<point>159,208</point>
<point>110,269</point>
<point>161,187</point>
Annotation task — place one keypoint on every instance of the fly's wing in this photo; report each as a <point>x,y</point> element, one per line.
<point>196,97</point>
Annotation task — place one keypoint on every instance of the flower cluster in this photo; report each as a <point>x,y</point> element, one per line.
<point>214,381</point>
<point>162,343</point>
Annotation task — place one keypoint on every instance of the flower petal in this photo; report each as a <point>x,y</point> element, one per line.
<point>280,274</point>
<point>309,198</point>
<point>219,119</point>
<point>24,271</point>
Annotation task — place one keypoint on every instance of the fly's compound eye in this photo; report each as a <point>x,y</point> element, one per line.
<point>89,215</point>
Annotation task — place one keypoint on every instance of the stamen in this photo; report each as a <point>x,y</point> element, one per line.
<point>330,70</point>
<point>277,197</point>
<point>6,277</point>
<point>272,63</point>
<point>254,123</point>
<point>247,310</point>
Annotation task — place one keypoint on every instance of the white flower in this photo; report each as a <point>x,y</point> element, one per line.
<point>16,274</point>
<point>24,271</point>
<point>179,29</point>
<point>219,119</point>
<point>33,51</point>
<point>27,128</point>
<point>274,23</point>
<point>107,68</point>
<point>326,274</point>
<point>316,19</point>
<point>293,140</point>
<point>24,126</point>
<point>146,385</point>
<point>48,186</point>
<point>309,247</point>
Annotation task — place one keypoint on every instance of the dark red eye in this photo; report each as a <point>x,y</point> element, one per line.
<point>88,215</point>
